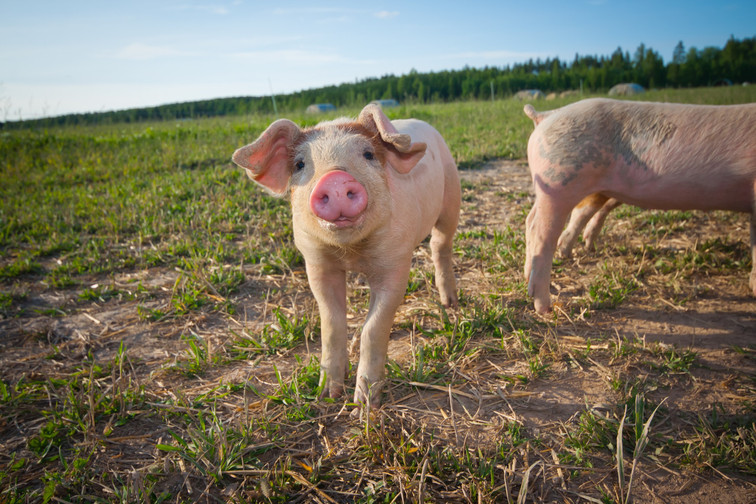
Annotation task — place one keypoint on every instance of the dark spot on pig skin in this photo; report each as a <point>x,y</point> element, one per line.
<point>640,133</point>
<point>560,177</point>
<point>597,138</point>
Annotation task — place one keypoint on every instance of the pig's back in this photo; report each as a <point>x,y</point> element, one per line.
<point>420,194</point>
<point>657,155</point>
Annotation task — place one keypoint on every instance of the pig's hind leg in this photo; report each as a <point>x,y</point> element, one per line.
<point>593,228</point>
<point>580,215</point>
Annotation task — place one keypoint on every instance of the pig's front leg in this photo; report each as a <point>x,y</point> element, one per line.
<point>386,294</point>
<point>328,285</point>
<point>544,224</point>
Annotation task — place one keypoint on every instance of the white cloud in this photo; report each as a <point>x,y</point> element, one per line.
<point>295,56</point>
<point>386,14</point>
<point>139,51</point>
<point>311,10</point>
<point>211,8</point>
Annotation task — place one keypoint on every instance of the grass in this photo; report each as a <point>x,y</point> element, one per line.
<point>161,342</point>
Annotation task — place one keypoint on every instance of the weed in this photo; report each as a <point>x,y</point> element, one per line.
<point>301,391</point>
<point>611,289</point>
<point>720,440</point>
<point>673,360</point>
<point>283,334</point>
<point>641,438</point>
<point>9,300</point>
<point>427,365</point>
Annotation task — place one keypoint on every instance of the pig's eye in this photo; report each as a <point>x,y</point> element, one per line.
<point>299,165</point>
<point>368,155</point>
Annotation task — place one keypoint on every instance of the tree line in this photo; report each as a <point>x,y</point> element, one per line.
<point>735,63</point>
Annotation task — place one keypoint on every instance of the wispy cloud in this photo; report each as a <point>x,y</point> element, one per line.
<point>311,10</point>
<point>386,14</point>
<point>291,56</point>
<point>212,8</point>
<point>139,51</point>
<point>336,13</point>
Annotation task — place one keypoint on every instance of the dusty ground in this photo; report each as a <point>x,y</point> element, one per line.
<point>712,316</point>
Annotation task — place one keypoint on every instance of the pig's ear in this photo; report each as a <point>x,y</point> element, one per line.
<point>266,160</point>
<point>403,154</point>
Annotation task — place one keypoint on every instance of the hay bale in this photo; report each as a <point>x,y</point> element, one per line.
<point>627,89</point>
<point>529,94</point>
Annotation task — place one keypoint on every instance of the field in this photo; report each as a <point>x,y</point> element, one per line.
<point>159,342</point>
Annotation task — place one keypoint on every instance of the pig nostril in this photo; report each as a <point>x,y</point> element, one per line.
<point>325,199</point>
<point>350,195</point>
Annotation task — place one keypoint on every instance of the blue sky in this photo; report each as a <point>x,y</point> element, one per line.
<point>59,57</point>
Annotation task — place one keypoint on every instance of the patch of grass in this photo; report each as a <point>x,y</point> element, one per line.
<point>611,289</point>
<point>277,337</point>
<point>21,266</point>
<point>300,392</point>
<point>428,366</point>
<point>502,250</point>
<point>723,441</point>
<point>9,302</point>
<point>673,360</point>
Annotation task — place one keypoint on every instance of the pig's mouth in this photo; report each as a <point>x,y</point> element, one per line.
<point>341,222</point>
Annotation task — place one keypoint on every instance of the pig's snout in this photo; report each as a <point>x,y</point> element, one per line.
<point>338,198</point>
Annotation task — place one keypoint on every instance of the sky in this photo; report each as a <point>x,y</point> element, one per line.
<point>75,56</point>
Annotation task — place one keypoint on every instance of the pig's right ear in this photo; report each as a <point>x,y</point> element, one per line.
<point>266,160</point>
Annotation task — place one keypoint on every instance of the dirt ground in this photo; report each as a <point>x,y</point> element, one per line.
<point>714,317</point>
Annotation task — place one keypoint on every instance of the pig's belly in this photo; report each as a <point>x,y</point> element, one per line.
<point>736,196</point>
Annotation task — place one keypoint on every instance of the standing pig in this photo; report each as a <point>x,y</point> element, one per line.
<point>363,195</point>
<point>652,155</point>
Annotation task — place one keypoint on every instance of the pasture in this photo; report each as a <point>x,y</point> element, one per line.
<point>159,342</point>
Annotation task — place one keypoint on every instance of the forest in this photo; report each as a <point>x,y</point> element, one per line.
<point>735,63</point>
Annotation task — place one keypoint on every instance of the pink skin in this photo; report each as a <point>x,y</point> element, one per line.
<point>652,155</point>
<point>338,199</point>
<point>363,195</point>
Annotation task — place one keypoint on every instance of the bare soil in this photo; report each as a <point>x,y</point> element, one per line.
<point>710,314</point>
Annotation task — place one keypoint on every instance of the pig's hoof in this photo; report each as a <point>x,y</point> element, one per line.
<point>451,302</point>
<point>368,395</point>
<point>332,390</point>
<point>542,308</point>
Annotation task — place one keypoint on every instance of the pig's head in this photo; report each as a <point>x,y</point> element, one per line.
<point>338,174</point>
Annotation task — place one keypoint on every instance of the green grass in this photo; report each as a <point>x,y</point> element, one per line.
<point>230,410</point>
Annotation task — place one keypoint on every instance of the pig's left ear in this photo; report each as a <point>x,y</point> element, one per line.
<point>402,153</point>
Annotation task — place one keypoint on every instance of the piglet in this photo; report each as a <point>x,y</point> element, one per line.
<point>363,195</point>
<point>652,155</point>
